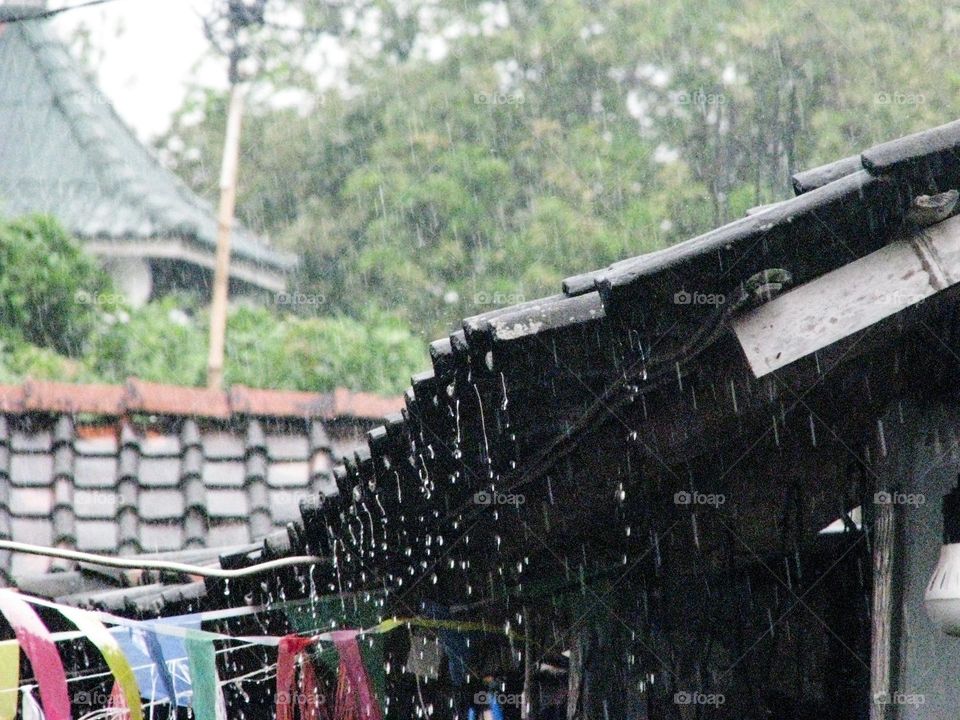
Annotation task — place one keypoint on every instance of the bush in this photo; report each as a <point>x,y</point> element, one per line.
<point>166,341</point>
<point>46,282</point>
<point>60,320</point>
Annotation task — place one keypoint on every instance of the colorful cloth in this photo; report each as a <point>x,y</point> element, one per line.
<point>107,644</point>
<point>290,648</point>
<point>9,678</point>
<point>206,700</point>
<point>160,659</point>
<point>38,646</point>
<point>355,698</point>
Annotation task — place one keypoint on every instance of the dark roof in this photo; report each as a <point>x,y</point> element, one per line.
<point>147,467</point>
<point>510,392</point>
<point>65,152</point>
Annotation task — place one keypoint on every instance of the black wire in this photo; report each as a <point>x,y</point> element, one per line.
<point>43,14</point>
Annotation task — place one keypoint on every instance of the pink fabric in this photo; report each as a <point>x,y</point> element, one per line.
<point>290,647</point>
<point>118,703</point>
<point>311,703</point>
<point>37,644</point>
<point>355,697</point>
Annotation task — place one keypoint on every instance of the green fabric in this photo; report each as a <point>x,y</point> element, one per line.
<point>203,675</point>
<point>332,613</point>
<point>9,678</point>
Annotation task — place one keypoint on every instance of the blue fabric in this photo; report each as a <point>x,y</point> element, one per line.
<point>454,643</point>
<point>159,660</point>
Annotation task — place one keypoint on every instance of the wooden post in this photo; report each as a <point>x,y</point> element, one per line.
<point>221,270</point>
<point>895,446</point>
<point>883,611</point>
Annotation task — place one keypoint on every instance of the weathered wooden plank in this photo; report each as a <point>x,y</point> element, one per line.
<point>881,644</point>
<point>850,298</point>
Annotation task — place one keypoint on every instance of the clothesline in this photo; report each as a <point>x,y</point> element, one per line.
<point>192,648</point>
<point>108,673</point>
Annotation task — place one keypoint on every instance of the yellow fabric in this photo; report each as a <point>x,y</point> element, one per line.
<point>97,633</point>
<point>9,678</point>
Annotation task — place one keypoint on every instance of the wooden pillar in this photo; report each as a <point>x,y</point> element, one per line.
<point>896,432</point>
<point>885,612</point>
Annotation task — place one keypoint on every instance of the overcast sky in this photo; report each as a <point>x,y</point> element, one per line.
<point>150,49</point>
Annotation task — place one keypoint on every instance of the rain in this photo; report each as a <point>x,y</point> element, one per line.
<point>510,360</point>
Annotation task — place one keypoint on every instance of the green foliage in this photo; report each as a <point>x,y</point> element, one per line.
<point>48,286</point>
<point>556,137</point>
<point>546,139</point>
<point>158,342</point>
<point>162,342</point>
<point>62,321</point>
<point>320,353</point>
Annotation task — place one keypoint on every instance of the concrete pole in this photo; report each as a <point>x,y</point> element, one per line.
<point>221,270</point>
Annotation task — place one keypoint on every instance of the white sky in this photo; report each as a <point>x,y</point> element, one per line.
<point>149,52</point>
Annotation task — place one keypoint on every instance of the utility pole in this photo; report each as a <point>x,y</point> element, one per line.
<point>232,41</point>
<point>225,213</point>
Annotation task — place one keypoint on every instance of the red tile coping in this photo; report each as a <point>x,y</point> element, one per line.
<point>155,398</point>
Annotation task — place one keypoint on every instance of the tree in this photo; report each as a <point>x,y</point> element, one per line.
<point>508,145</point>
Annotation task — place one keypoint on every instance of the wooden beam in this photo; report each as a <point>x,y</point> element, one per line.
<point>851,298</point>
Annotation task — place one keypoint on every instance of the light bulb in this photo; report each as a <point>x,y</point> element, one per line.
<point>942,598</point>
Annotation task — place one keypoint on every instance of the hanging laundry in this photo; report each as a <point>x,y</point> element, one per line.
<point>456,644</point>
<point>36,643</point>
<point>311,700</point>
<point>424,657</point>
<point>160,659</point>
<point>9,678</point>
<point>118,703</point>
<point>292,654</point>
<point>90,625</point>
<point>355,698</point>
<point>289,649</point>
<point>29,708</point>
<point>206,700</point>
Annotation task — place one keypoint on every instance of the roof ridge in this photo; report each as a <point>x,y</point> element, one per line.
<point>144,396</point>
<point>69,86</point>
